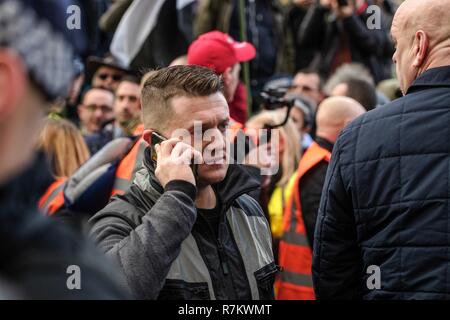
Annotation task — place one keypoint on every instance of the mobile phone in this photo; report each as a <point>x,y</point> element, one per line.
<point>157,139</point>
<point>342,3</point>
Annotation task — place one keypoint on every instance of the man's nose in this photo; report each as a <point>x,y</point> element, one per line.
<point>217,142</point>
<point>109,82</point>
<point>98,113</point>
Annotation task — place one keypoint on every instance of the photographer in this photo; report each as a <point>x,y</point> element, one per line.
<point>183,232</point>
<point>338,31</point>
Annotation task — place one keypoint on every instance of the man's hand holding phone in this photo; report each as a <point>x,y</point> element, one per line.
<point>174,158</point>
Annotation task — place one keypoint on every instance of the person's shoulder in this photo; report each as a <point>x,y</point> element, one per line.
<point>249,206</point>
<point>374,118</point>
<point>100,137</point>
<point>47,250</point>
<point>373,127</point>
<point>125,208</point>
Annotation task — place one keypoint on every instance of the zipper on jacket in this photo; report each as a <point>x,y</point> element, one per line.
<point>223,260</point>
<point>220,250</point>
<point>222,254</point>
<point>222,257</point>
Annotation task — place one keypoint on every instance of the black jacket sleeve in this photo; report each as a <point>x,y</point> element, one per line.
<point>310,189</point>
<point>336,259</point>
<point>146,251</point>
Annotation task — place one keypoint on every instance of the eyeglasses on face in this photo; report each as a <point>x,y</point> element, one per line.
<point>102,108</point>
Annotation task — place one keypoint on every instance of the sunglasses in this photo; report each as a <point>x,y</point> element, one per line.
<point>115,77</point>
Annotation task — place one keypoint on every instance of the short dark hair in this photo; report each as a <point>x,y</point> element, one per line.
<point>132,79</point>
<point>362,91</point>
<point>311,70</point>
<point>177,81</point>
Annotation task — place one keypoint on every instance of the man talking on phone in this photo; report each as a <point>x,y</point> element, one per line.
<point>183,231</point>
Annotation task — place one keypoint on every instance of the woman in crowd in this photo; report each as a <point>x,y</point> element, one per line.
<point>275,187</point>
<point>66,150</point>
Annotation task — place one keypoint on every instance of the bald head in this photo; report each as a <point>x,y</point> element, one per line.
<point>421,32</point>
<point>426,15</point>
<point>334,114</point>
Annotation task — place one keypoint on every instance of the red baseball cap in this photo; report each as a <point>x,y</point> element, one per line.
<point>218,51</point>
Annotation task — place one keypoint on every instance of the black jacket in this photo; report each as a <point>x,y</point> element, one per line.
<point>36,252</point>
<point>168,251</point>
<point>317,32</point>
<point>310,189</point>
<point>386,200</point>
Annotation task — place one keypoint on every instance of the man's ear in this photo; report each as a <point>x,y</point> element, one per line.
<point>13,82</point>
<point>422,44</point>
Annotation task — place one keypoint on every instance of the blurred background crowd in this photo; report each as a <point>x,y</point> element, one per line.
<point>305,68</point>
<point>301,52</point>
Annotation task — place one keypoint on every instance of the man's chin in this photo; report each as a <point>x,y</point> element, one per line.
<point>94,129</point>
<point>211,174</point>
<point>124,122</point>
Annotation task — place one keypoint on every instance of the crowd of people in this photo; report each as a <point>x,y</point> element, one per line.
<point>200,149</point>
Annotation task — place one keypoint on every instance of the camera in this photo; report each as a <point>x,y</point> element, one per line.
<point>277,98</point>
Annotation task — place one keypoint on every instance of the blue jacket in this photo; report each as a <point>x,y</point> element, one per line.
<point>386,200</point>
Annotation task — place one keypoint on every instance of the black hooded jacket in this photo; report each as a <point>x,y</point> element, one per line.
<point>169,251</point>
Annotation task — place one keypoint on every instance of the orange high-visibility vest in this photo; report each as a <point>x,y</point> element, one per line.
<point>295,253</point>
<point>234,128</point>
<point>53,198</point>
<point>139,130</point>
<point>128,166</point>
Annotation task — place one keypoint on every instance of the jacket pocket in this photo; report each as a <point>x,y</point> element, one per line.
<point>182,290</point>
<point>265,278</point>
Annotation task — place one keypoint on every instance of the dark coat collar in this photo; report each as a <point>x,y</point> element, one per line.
<point>324,143</point>
<point>432,78</point>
